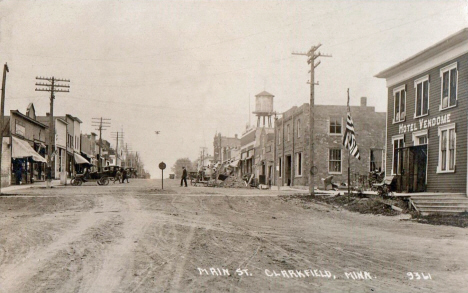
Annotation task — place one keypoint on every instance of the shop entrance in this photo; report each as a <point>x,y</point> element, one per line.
<point>413,162</point>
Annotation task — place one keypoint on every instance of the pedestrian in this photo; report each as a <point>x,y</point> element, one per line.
<point>184,177</point>
<point>117,176</point>
<point>123,174</point>
<point>19,174</point>
<point>127,174</point>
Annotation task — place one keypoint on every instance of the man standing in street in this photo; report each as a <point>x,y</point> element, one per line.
<point>184,177</point>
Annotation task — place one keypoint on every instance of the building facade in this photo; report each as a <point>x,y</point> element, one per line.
<point>222,146</point>
<point>330,157</point>
<point>25,140</point>
<point>59,145</point>
<point>427,118</point>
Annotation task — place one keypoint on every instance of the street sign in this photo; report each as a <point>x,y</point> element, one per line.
<point>162,166</point>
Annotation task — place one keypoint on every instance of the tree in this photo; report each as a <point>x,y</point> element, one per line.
<point>182,162</point>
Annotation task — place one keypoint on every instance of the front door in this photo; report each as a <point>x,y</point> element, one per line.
<point>413,171</point>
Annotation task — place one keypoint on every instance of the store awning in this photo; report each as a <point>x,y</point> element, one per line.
<point>80,160</point>
<point>22,149</point>
<point>234,164</point>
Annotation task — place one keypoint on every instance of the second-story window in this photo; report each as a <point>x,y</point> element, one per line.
<point>335,125</point>
<point>399,95</point>
<point>287,131</point>
<point>422,96</point>
<point>449,86</point>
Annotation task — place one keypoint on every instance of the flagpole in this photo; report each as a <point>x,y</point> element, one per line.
<point>349,161</point>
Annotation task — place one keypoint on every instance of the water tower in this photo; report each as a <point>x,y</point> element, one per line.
<point>264,108</point>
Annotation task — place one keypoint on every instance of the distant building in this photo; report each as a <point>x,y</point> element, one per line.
<point>251,161</point>
<point>427,118</point>
<point>222,146</point>
<point>330,157</point>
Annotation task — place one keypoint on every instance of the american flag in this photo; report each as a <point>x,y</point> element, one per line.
<point>349,138</point>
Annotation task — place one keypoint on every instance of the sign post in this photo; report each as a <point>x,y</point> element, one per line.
<point>162,166</point>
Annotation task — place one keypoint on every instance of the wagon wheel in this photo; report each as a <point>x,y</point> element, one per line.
<point>99,181</point>
<point>73,182</point>
<point>79,182</point>
<point>104,181</point>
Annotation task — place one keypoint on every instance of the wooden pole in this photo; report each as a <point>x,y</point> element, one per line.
<point>349,156</point>
<point>2,115</point>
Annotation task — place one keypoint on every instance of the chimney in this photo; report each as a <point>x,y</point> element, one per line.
<point>235,135</point>
<point>47,114</point>
<point>363,102</point>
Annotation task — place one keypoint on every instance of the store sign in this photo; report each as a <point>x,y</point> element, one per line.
<point>424,124</point>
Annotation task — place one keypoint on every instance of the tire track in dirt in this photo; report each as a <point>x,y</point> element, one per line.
<point>115,266</point>
<point>16,274</point>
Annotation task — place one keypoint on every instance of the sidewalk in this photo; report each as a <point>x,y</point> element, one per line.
<point>26,186</point>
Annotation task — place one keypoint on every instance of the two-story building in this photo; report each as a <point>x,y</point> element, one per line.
<point>24,137</point>
<point>330,156</point>
<point>59,145</point>
<point>427,118</point>
<point>73,144</point>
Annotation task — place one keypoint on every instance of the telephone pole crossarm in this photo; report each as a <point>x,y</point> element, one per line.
<point>312,55</point>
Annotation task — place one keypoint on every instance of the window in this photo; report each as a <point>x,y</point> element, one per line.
<point>280,171</point>
<point>298,164</point>
<point>399,95</point>
<point>449,76</point>
<point>422,96</point>
<point>287,131</point>
<point>376,160</point>
<point>335,125</point>
<point>420,137</point>
<point>447,148</point>
<point>298,128</point>
<point>279,136</point>
<point>334,162</point>
<point>398,142</point>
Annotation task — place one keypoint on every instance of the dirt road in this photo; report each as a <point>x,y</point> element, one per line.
<point>137,238</point>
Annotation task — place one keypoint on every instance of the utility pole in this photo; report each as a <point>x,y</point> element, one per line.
<point>2,115</point>
<point>117,135</point>
<point>312,54</point>
<point>203,160</point>
<point>51,87</point>
<point>101,124</point>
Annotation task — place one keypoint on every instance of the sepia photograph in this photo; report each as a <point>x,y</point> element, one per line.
<point>234,146</point>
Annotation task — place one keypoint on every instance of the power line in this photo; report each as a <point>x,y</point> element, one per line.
<point>102,124</point>
<point>312,55</point>
<point>49,84</point>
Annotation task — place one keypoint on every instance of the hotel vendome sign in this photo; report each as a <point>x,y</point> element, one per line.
<point>424,124</point>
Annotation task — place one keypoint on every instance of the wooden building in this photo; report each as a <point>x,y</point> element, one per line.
<point>427,118</point>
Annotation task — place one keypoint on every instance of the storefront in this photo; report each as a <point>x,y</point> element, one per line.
<point>27,165</point>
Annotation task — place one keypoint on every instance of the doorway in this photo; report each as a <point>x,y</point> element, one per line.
<point>287,170</point>
<point>413,161</point>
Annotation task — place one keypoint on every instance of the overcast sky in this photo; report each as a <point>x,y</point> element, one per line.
<point>188,68</point>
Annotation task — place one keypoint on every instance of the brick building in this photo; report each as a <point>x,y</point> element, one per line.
<point>292,143</point>
<point>427,118</point>
<point>222,146</point>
